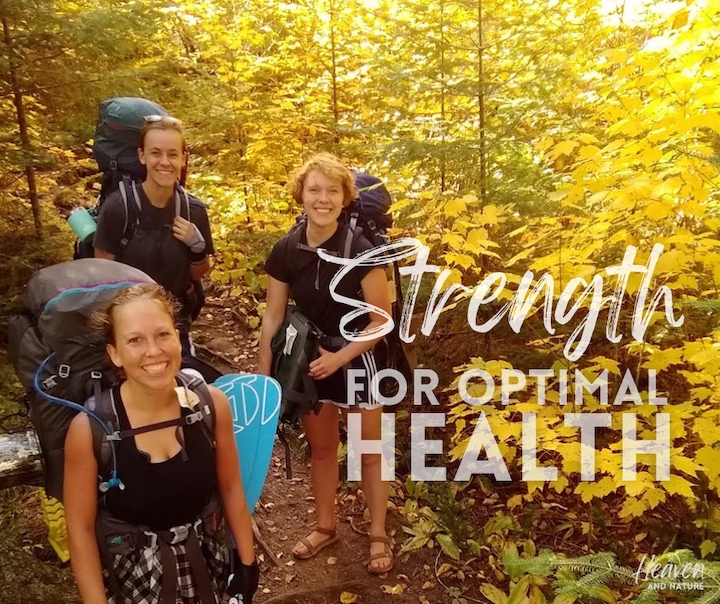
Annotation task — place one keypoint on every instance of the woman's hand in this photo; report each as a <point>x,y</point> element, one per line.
<point>189,234</point>
<point>326,364</point>
<point>244,584</point>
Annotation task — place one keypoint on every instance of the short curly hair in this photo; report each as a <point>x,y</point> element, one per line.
<point>330,166</point>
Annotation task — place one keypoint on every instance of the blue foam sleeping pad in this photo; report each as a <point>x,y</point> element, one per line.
<point>255,405</point>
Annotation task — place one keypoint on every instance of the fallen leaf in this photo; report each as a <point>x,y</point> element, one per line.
<point>332,560</point>
<point>395,590</point>
<point>348,597</point>
<point>427,585</point>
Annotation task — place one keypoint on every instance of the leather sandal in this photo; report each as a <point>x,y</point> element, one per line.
<point>388,553</point>
<point>314,550</point>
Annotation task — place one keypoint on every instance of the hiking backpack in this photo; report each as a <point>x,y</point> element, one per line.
<point>59,361</point>
<point>115,149</point>
<point>369,213</point>
<point>293,347</point>
<point>115,146</point>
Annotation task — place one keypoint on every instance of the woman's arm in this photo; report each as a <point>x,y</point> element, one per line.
<point>103,254</point>
<point>80,500</point>
<point>375,291</point>
<point>199,269</point>
<point>278,294</point>
<point>228,473</point>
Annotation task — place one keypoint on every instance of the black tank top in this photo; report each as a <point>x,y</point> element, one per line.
<point>166,494</point>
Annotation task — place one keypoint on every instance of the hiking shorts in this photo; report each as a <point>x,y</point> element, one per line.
<point>333,389</point>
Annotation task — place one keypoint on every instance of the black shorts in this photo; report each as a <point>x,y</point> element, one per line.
<point>333,389</point>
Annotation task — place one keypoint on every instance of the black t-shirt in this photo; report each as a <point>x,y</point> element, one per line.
<point>309,278</point>
<point>151,246</point>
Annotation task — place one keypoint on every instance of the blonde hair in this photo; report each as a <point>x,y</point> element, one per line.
<point>102,321</point>
<point>165,122</point>
<point>330,166</point>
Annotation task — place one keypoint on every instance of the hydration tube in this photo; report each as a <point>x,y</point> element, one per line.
<point>113,481</point>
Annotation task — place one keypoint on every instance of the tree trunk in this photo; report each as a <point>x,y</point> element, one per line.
<point>442,96</point>
<point>22,126</point>
<point>19,459</point>
<point>336,111</point>
<point>481,105</point>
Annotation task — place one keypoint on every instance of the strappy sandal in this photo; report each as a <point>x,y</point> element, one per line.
<point>314,550</point>
<point>388,553</point>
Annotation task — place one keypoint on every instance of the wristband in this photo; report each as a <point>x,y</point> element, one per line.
<point>197,257</point>
<point>196,243</point>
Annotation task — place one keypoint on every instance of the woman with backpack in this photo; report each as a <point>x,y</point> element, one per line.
<point>152,532</point>
<point>325,187</point>
<point>156,226</point>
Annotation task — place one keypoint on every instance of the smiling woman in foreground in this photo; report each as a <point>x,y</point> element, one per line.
<point>160,536</point>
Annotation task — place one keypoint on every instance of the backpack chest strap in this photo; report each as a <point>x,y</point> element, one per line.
<point>186,420</point>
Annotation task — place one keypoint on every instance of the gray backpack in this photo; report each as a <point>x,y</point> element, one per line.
<point>58,360</point>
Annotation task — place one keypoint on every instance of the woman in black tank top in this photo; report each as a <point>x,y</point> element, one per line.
<point>161,537</point>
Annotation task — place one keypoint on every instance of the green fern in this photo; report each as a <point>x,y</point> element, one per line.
<point>646,596</point>
<point>589,576</point>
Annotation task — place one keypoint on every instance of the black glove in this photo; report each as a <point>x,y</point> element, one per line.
<point>244,583</point>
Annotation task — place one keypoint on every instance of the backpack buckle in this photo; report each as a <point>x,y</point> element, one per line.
<point>290,334</point>
<point>151,539</point>
<point>193,418</point>
<point>64,371</point>
<point>96,375</point>
<point>115,436</point>
<point>181,533</point>
<point>48,383</point>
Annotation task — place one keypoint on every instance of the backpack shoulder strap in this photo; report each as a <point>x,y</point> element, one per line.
<point>205,408</point>
<point>182,202</point>
<point>102,404</point>
<point>132,206</point>
<point>350,234</point>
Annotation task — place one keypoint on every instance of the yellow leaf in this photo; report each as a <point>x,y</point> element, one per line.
<point>684,464</point>
<point>347,597</point>
<point>680,20</point>
<point>394,590</point>
<point>564,148</point>
<point>609,364</point>
<point>455,207</point>
<point>677,485</point>
<point>657,210</point>
<point>616,55</point>
<point>453,240</point>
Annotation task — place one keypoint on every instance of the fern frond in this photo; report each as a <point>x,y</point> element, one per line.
<point>646,596</point>
<point>542,564</point>
<point>708,597</point>
<point>586,564</point>
<point>584,585</point>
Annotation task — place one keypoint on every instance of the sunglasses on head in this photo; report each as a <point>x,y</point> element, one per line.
<point>169,119</point>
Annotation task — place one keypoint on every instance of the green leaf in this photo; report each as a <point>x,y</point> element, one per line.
<point>448,545</point>
<point>707,547</point>
<point>493,594</point>
<point>520,591</point>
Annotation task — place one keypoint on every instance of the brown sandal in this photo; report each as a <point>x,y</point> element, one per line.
<point>314,550</point>
<point>388,553</point>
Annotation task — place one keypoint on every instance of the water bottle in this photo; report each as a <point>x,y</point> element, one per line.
<point>82,224</point>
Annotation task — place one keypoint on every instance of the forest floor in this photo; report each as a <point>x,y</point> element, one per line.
<point>30,572</point>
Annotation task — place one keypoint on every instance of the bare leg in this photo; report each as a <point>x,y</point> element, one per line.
<point>375,489</point>
<point>323,435</point>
